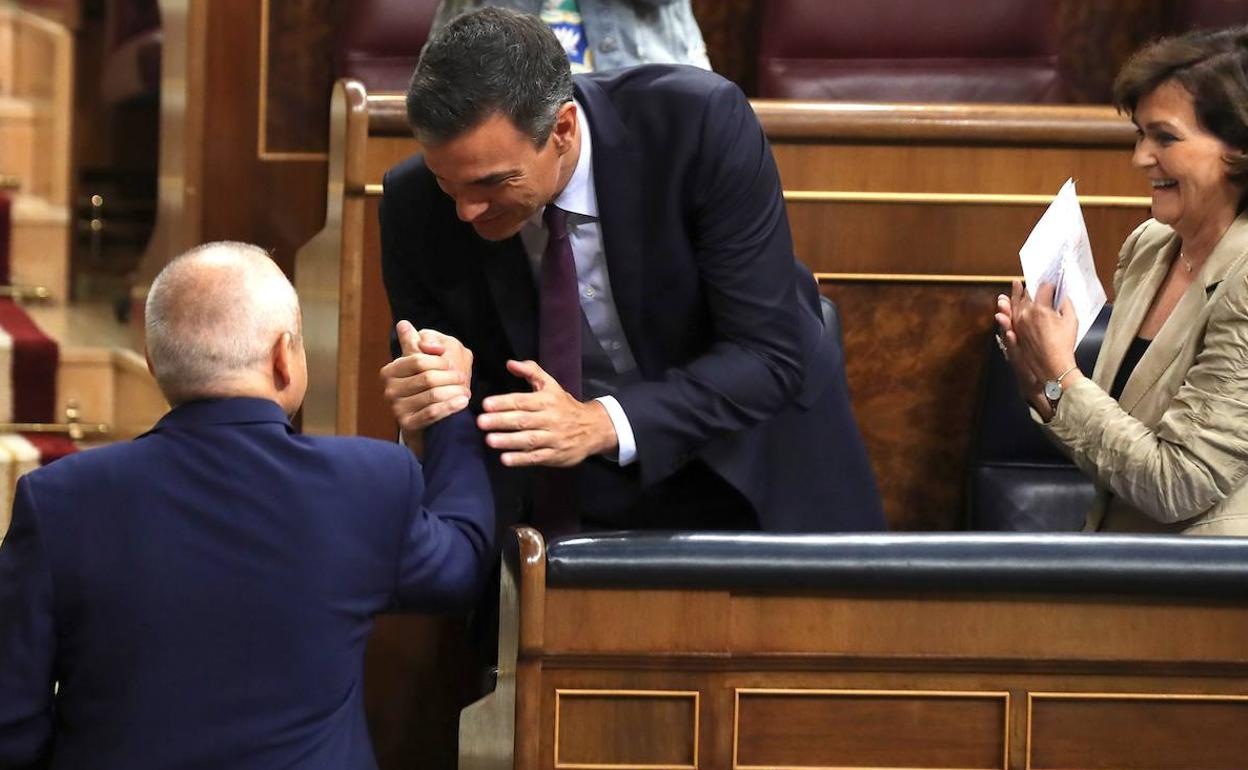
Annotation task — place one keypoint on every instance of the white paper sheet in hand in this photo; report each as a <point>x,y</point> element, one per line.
<point>1057,252</point>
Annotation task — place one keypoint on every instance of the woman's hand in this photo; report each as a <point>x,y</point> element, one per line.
<point>1038,341</point>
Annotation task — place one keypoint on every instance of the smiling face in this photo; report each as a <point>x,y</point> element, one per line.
<point>498,177</point>
<point>1184,162</point>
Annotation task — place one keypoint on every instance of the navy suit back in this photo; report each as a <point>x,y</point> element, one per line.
<point>214,582</point>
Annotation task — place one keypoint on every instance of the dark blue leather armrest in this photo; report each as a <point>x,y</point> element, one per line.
<point>978,562</point>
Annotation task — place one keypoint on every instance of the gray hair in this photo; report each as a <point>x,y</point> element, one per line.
<point>213,314</point>
<point>493,60</point>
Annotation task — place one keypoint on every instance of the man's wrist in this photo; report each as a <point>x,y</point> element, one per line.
<point>605,441</point>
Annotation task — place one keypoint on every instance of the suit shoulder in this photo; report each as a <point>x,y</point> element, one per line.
<point>677,85</point>
<point>86,470</point>
<point>360,447</point>
<point>408,177</point>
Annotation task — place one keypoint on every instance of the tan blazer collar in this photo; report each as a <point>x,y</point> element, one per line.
<point>1227,256</point>
<point>1133,298</point>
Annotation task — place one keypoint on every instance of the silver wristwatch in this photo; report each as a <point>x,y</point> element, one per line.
<point>1053,388</point>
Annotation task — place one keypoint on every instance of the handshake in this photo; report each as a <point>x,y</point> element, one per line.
<point>432,380</point>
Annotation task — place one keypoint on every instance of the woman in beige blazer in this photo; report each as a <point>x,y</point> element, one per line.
<point>1162,423</point>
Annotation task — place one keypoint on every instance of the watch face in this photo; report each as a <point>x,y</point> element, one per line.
<point>1052,390</point>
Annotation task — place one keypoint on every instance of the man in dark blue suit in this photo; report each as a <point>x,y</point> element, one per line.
<point>704,391</point>
<point>201,596</point>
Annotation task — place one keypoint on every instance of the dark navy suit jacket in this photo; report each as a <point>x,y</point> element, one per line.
<point>201,596</point>
<point>724,322</point>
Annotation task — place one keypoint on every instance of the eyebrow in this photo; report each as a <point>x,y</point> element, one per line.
<point>1160,124</point>
<point>496,177</point>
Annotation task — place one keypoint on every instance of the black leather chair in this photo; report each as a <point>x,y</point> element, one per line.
<point>831,319</point>
<point>1017,479</point>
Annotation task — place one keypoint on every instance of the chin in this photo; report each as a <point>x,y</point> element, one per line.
<point>497,230</point>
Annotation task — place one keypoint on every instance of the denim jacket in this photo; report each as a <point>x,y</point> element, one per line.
<point>620,33</point>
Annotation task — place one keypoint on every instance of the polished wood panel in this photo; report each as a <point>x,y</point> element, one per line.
<point>1015,628</point>
<point>215,185</point>
<point>870,728</point>
<point>600,729</point>
<point>296,76</point>
<point>675,621</point>
<point>914,353</point>
<point>1139,731</point>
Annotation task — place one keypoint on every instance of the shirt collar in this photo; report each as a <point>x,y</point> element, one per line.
<point>579,196</point>
<point>222,411</point>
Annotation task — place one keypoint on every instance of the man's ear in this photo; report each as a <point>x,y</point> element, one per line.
<point>566,124</point>
<point>282,357</point>
<point>148,358</point>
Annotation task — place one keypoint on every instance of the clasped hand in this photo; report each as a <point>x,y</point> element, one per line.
<point>430,381</point>
<point>1038,341</point>
<point>547,426</point>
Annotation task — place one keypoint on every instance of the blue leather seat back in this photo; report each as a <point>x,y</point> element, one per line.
<point>1018,480</point>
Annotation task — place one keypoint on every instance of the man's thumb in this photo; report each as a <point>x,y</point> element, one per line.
<point>409,341</point>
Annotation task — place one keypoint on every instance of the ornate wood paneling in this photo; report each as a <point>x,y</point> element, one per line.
<point>899,677</point>
<point>913,355</point>
<point>870,728</point>
<point>600,729</point>
<point>1137,730</point>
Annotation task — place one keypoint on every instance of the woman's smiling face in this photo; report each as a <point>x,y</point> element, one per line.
<point>1184,162</point>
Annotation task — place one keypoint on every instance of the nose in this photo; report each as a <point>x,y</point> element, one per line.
<point>468,209</point>
<point>1143,156</point>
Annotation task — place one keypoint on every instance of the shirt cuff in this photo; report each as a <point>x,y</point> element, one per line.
<point>627,452</point>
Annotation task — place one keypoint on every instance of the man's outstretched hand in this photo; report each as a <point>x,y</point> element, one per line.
<point>546,426</point>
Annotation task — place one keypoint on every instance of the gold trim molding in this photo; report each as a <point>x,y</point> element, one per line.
<point>958,199</point>
<point>912,198</point>
<point>693,695</point>
<point>914,278</point>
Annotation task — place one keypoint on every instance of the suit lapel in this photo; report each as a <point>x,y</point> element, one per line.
<point>1135,296</point>
<point>510,280</point>
<point>617,164</point>
<point>1187,317</point>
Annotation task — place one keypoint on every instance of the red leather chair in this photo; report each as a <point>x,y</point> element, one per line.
<point>911,50</point>
<point>379,41</point>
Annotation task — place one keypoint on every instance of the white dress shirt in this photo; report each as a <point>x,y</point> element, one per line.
<point>580,200</point>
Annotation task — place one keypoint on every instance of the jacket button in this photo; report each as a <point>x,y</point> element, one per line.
<point>608,45</point>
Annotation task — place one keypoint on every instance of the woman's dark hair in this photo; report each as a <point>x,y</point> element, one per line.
<point>1210,65</point>
<point>488,61</point>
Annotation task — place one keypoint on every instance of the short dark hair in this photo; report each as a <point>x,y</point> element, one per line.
<point>1212,66</point>
<point>493,60</point>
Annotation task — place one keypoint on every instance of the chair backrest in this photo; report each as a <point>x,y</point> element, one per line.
<point>911,51</point>
<point>379,41</point>
<point>831,319</point>
<point>1017,480</point>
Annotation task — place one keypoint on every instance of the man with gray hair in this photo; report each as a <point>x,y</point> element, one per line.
<point>201,596</point>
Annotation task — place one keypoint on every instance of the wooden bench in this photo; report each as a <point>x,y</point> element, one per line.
<point>881,651</point>
<point>911,216</point>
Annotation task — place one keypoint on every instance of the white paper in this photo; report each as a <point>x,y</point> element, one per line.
<point>1057,252</point>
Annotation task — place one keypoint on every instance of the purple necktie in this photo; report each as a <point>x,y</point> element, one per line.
<point>559,325</point>
<point>559,353</point>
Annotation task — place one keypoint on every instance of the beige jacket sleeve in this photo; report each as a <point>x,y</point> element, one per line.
<point>1197,455</point>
